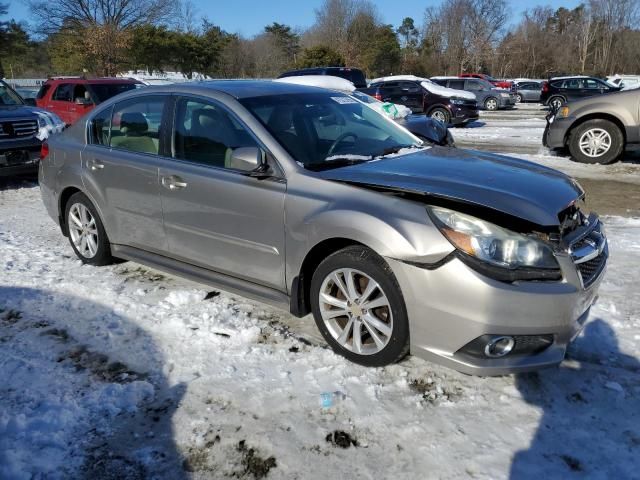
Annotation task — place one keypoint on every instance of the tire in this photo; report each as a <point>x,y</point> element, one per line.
<point>440,114</point>
<point>95,249</point>
<point>491,104</point>
<point>518,98</point>
<point>556,102</point>
<point>588,141</point>
<point>387,321</point>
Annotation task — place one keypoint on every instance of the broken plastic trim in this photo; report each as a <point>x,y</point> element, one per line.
<point>494,272</point>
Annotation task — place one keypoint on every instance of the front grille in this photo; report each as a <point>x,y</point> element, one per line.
<point>14,129</point>
<point>590,269</point>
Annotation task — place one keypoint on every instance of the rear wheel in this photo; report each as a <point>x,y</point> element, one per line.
<point>440,114</point>
<point>596,141</point>
<point>86,232</point>
<point>358,307</point>
<point>491,104</point>
<point>556,102</point>
<point>518,98</point>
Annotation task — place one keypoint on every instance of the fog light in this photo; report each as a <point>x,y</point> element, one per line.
<point>499,346</point>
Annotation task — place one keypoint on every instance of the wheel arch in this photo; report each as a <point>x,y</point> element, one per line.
<point>63,198</point>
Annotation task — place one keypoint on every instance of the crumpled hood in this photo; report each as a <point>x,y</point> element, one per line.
<point>512,186</point>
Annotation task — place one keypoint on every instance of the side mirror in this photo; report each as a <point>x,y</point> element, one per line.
<point>30,101</point>
<point>249,159</point>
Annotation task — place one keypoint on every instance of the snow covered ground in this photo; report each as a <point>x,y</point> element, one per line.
<point>125,372</point>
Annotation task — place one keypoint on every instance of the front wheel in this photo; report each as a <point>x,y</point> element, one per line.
<point>491,104</point>
<point>440,114</point>
<point>359,308</point>
<point>596,141</point>
<point>86,232</point>
<point>518,98</point>
<point>556,102</point>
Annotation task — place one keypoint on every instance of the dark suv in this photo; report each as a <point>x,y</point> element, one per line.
<point>23,127</point>
<point>71,97</point>
<point>423,96</point>
<point>560,90</point>
<point>354,75</point>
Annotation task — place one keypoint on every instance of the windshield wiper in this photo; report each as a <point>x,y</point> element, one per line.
<point>396,149</point>
<point>336,162</point>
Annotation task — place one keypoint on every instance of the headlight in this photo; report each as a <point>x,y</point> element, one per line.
<point>457,101</point>
<point>492,244</point>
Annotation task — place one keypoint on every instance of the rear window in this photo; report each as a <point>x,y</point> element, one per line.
<point>104,91</point>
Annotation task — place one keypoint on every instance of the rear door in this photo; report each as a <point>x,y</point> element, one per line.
<point>81,103</point>
<point>411,95</point>
<point>121,164</point>
<point>217,216</point>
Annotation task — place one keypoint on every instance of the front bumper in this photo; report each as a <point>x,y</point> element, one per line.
<point>462,114</point>
<point>504,102</point>
<point>555,133</point>
<point>19,156</point>
<point>452,305</point>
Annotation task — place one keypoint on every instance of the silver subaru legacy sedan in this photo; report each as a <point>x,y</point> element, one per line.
<point>311,201</point>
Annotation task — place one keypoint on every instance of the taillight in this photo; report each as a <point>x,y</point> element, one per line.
<point>545,86</point>
<point>44,150</point>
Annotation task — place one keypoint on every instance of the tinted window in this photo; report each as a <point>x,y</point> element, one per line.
<point>592,84</point>
<point>8,96</point>
<point>43,91</point>
<point>572,83</point>
<point>63,93</point>
<point>81,94</point>
<point>320,129</point>
<point>135,124</point>
<point>104,91</point>
<point>409,87</point>
<point>206,133</point>
<point>99,128</point>
<point>474,85</point>
<point>456,84</point>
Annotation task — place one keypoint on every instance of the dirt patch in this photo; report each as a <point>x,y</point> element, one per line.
<point>141,274</point>
<point>342,439</point>
<point>436,390</point>
<point>10,316</point>
<point>100,366</point>
<point>254,464</point>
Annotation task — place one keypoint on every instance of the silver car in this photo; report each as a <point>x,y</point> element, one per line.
<point>311,201</point>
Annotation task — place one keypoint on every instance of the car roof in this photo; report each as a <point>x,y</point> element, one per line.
<point>103,80</point>
<point>568,77</point>
<point>398,78</point>
<point>236,88</point>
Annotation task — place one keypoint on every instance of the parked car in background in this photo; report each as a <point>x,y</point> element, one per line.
<point>23,128</point>
<point>311,201</point>
<point>527,91</point>
<point>354,75</point>
<point>560,90</point>
<point>425,128</point>
<point>421,95</point>
<point>488,96</point>
<point>506,84</point>
<point>595,129</point>
<point>625,82</point>
<point>72,97</point>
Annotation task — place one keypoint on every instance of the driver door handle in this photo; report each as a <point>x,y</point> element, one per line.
<point>173,182</point>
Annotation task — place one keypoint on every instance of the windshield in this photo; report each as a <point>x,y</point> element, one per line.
<point>104,91</point>
<point>8,96</point>
<point>328,130</point>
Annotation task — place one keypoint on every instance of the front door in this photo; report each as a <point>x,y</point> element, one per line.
<point>217,216</point>
<point>121,168</point>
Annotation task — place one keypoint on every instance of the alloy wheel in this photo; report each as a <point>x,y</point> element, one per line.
<point>595,142</point>
<point>440,116</point>
<point>356,311</point>
<point>83,230</point>
<point>556,103</point>
<point>492,104</point>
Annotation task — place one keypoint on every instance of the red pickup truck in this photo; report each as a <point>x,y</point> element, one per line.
<point>489,78</point>
<point>71,97</point>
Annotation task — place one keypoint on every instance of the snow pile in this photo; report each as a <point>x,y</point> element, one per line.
<point>321,81</point>
<point>48,123</point>
<point>447,92</point>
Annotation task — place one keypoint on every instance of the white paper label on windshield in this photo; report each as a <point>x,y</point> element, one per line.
<point>343,100</point>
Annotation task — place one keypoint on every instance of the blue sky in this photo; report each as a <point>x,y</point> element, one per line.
<point>249,17</point>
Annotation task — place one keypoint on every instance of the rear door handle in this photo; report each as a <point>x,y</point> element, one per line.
<point>173,182</point>
<point>95,165</point>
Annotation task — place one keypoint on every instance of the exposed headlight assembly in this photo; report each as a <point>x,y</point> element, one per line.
<point>495,251</point>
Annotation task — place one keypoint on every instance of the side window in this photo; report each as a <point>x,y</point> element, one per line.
<point>473,85</point>
<point>63,93</point>
<point>456,84</point>
<point>409,87</point>
<point>135,124</point>
<point>99,127</point>
<point>593,84</point>
<point>207,134</point>
<point>80,94</point>
<point>573,83</point>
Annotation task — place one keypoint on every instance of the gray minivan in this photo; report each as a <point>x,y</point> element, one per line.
<point>312,201</point>
<point>489,96</point>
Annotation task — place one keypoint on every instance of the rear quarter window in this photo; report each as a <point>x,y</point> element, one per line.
<point>43,91</point>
